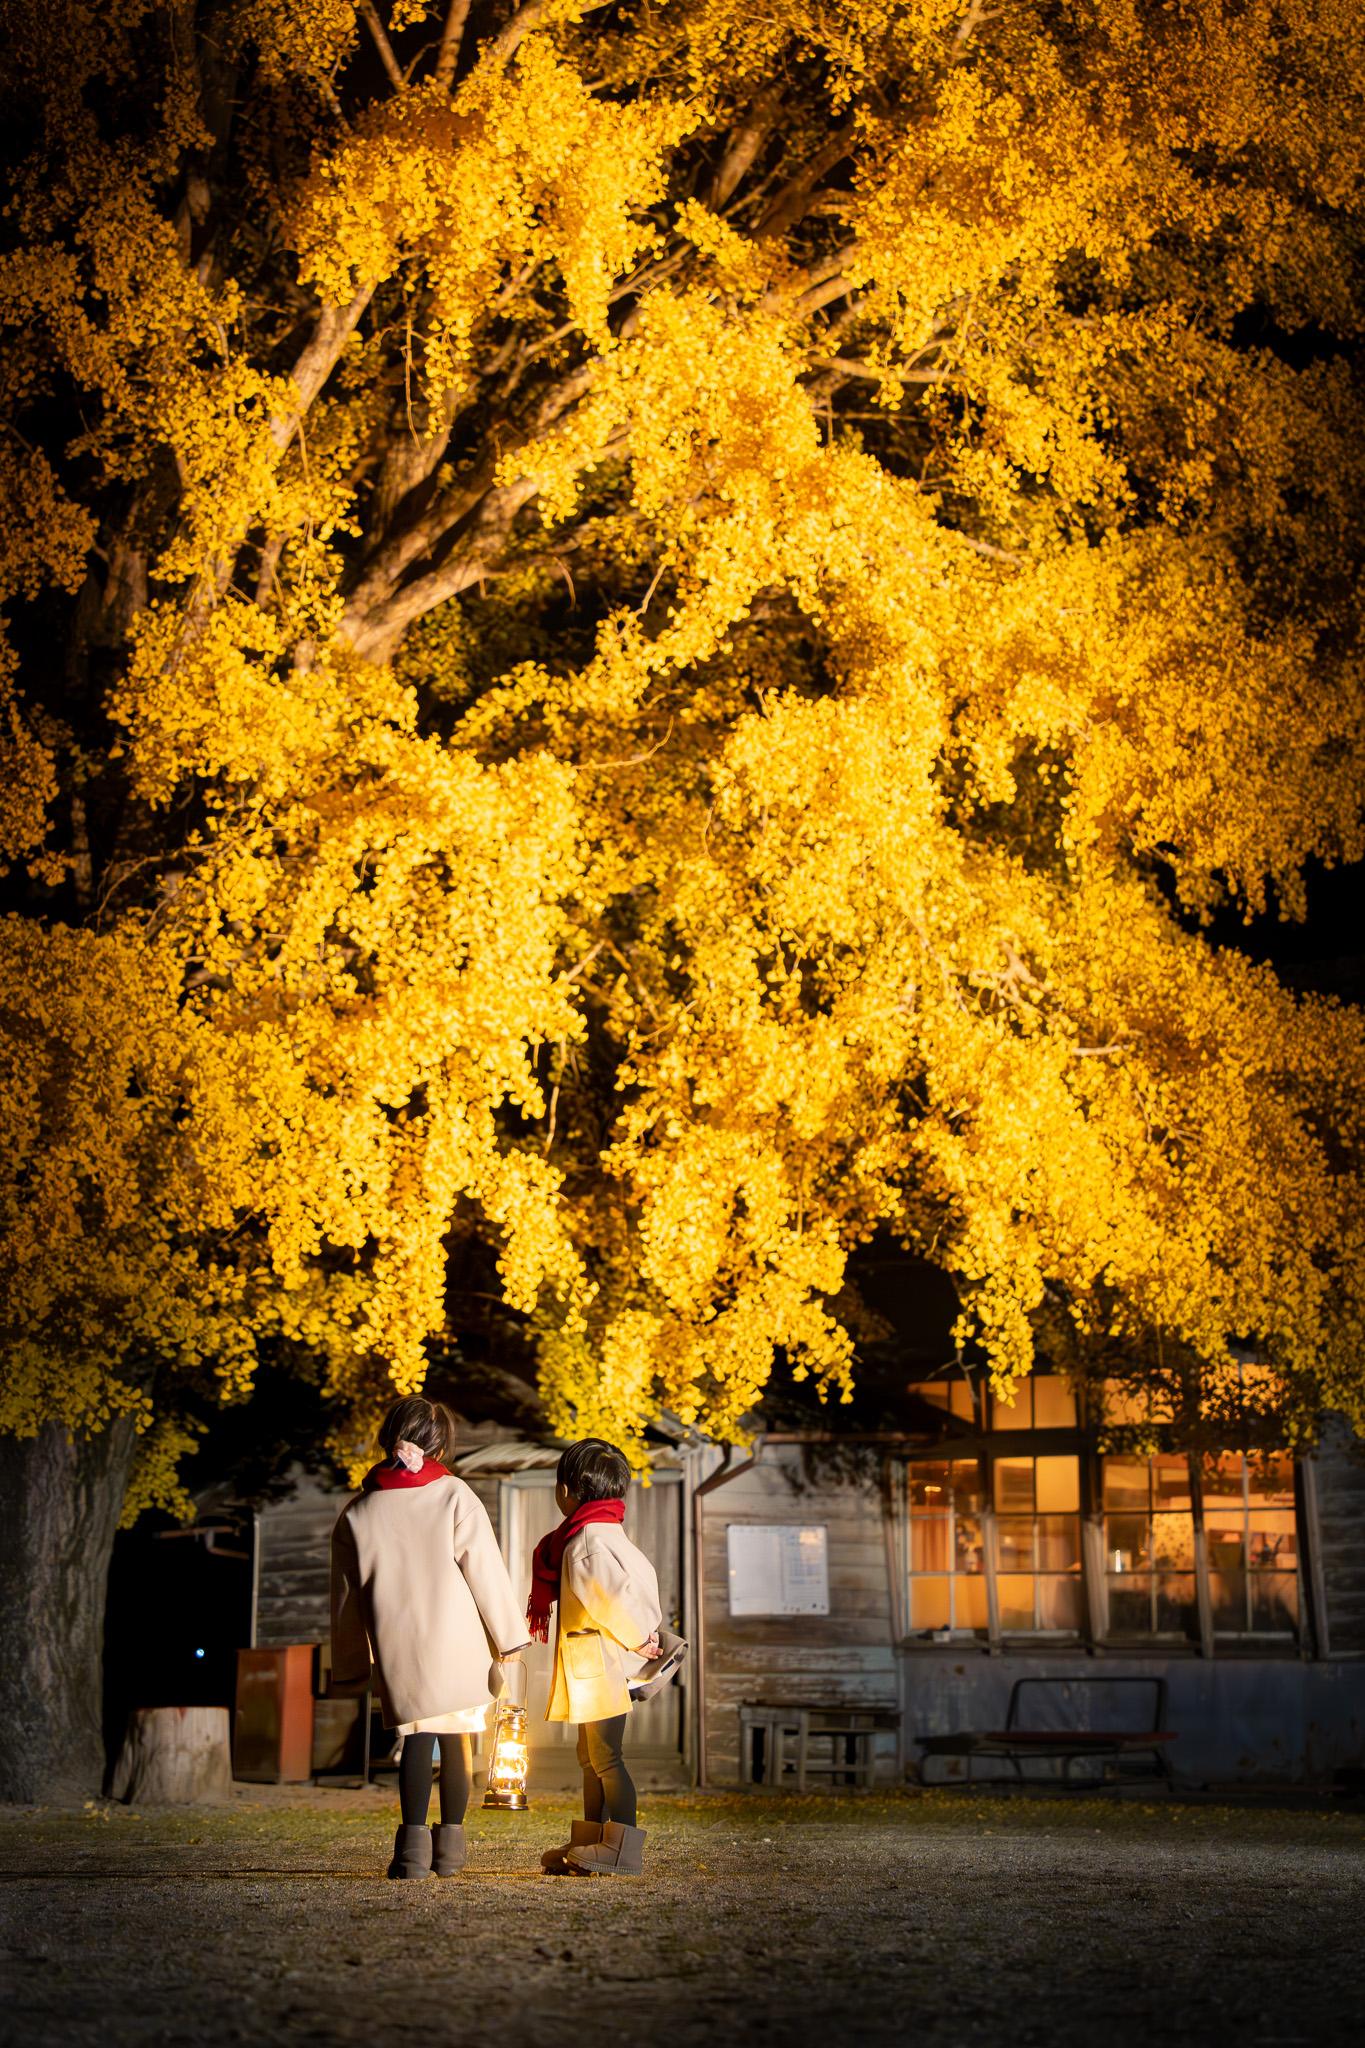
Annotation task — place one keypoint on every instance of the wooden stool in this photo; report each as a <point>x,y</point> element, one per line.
<point>778,1725</point>
<point>854,1733</point>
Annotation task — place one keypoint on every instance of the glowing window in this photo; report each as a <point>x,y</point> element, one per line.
<point>947,1556</point>
<point>1251,1532</point>
<point>1120,1403</point>
<point>1037,1545</point>
<point>1042,1401</point>
<point>1149,1550</point>
<point>954,1395</point>
<point>1177,1547</point>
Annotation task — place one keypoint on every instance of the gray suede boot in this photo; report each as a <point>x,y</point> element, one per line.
<point>448,1849</point>
<point>620,1853</point>
<point>411,1853</point>
<point>581,1834</point>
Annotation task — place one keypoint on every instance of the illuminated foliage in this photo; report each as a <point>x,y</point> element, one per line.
<point>655,631</point>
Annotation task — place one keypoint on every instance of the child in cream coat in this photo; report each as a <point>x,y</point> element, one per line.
<point>606,1632</point>
<point>420,1590</point>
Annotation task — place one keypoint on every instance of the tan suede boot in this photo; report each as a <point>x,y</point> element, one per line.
<point>620,1853</point>
<point>581,1834</point>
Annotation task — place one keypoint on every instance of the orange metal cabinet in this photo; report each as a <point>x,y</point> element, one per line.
<point>273,1734</point>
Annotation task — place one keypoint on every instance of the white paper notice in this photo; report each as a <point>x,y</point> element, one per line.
<point>778,1569</point>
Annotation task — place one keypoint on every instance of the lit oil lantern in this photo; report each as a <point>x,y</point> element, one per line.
<point>505,1787</point>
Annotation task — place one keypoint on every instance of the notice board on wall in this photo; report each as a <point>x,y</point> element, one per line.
<point>778,1568</point>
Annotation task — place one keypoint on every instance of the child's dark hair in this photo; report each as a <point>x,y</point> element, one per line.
<point>415,1420</point>
<point>593,1470</point>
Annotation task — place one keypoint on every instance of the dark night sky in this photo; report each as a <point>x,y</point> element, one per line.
<point>1326,952</point>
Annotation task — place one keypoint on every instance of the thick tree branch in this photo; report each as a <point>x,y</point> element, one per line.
<point>852,366</point>
<point>379,37</point>
<point>408,460</point>
<point>526,19</point>
<point>452,36</point>
<point>318,358</point>
<point>832,287</point>
<point>483,551</point>
<point>746,140</point>
<point>376,631</point>
<point>403,550</point>
<point>505,45</point>
<point>794,200</point>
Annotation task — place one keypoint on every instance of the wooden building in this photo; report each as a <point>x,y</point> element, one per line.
<point>515,1481</point>
<point>1002,1544</point>
<point>880,1590</point>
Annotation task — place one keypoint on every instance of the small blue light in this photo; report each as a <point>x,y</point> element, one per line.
<point>198,1653</point>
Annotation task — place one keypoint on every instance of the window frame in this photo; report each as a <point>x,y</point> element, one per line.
<point>1174,1640</point>
<point>1251,1636</point>
<point>906,1554</point>
<point>960,1442</point>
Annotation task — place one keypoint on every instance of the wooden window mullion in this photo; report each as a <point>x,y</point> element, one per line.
<point>1310,1561</point>
<point>988,1548</point>
<point>1203,1592</point>
<point>1153,1581</point>
<point>1092,1548</point>
<point>898,1546</point>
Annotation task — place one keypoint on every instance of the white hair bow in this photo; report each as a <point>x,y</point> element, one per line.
<point>409,1455</point>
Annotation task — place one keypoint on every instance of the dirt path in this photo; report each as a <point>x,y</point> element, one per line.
<point>939,1919</point>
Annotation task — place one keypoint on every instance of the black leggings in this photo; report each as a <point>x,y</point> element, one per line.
<point>608,1788</point>
<point>414,1778</point>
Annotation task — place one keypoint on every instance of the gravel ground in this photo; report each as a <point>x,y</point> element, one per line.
<point>937,1918</point>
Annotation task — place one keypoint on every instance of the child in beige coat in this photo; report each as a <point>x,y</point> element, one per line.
<point>421,1594</point>
<point>607,1630</point>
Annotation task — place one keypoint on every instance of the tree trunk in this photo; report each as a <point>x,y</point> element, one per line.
<point>175,1756</point>
<point>60,1501</point>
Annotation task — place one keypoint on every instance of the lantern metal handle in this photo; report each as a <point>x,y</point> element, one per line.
<point>512,1691</point>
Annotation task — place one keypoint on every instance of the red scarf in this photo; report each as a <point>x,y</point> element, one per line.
<point>549,1557</point>
<point>387,1477</point>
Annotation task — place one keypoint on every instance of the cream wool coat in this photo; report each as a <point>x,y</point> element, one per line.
<point>419,1588</point>
<point>608,1605</point>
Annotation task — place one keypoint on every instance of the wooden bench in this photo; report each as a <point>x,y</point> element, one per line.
<point>800,1743</point>
<point>1045,1720</point>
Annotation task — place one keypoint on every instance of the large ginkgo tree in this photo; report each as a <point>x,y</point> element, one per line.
<point>652,632</point>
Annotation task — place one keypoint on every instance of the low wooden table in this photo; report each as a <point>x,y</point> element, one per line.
<point>794,1739</point>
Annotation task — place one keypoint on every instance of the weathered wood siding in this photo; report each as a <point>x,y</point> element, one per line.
<point>1340,1486</point>
<point>294,1535</point>
<point>843,1659</point>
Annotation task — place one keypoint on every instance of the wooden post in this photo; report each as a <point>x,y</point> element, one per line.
<point>1307,1475</point>
<point>175,1756</point>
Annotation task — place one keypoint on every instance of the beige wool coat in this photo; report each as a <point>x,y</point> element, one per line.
<point>420,1591</point>
<point>608,1605</point>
